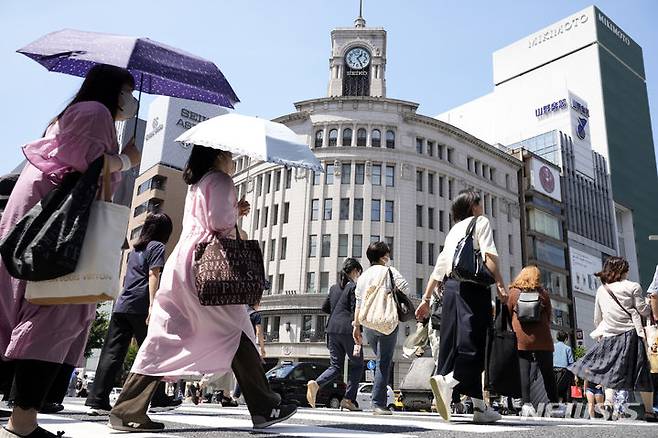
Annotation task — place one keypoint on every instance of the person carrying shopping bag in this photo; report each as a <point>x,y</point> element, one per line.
<point>377,311</point>
<point>186,338</point>
<point>340,305</point>
<point>466,268</point>
<point>46,342</point>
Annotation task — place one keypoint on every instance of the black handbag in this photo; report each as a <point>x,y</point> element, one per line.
<point>406,309</point>
<point>468,264</point>
<point>45,244</point>
<point>229,271</point>
<point>502,372</point>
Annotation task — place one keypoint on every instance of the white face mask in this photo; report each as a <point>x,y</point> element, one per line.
<point>127,106</point>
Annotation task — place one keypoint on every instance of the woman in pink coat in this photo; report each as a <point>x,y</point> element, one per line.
<point>44,343</point>
<point>185,338</point>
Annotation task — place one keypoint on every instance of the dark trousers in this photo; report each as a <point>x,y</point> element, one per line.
<point>563,381</point>
<point>247,367</point>
<point>465,318</point>
<point>341,345</point>
<point>123,327</point>
<point>6,377</point>
<point>544,361</point>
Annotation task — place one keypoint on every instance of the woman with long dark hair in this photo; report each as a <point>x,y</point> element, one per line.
<point>466,313</point>
<point>619,359</point>
<point>45,343</point>
<point>340,304</point>
<point>131,311</point>
<point>185,338</point>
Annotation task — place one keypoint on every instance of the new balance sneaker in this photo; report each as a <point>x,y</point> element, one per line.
<point>442,396</point>
<point>312,389</point>
<point>147,425</point>
<point>276,415</point>
<point>486,416</point>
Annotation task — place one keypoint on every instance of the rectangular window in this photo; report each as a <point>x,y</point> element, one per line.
<point>419,287</point>
<point>324,282</point>
<point>344,209</point>
<point>419,252</point>
<point>272,249</point>
<point>544,223</point>
<point>430,148</point>
<point>286,212</point>
<point>419,180</point>
<point>275,214</point>
<point>265,216</point>
<point>288,178</point>
<point>430,183</point>
<point>389,211</point>
<point>439,151</point>
<point>374,238</point>
<point>277,181</point>
<point>493,207</point>
<point>430,254</point>
<point>268,180</point>
<point>342,245</point>
<point>346,173</point>
<point>310,283</point>
<point>326,245</point>
<point>419,215</point>
<point>280,283</point>
<point>327,209</point>
<point>450,184</point>
<point>357,246</point>
<point>320,327</point>
<point>509,212</point>
<point>390,176</point>
<point>257,219</point>
<point>430,218</point>
<point>312,245</point>
<point>507,181</point>
<point>389,242</point>
<point>510,243</point>
<point>441,182</point>
<point>276,325</point>
<point>358,209</point>
<point>376,174</point>
<point>419,145</point>
<point>259,185</point>
<point>359,173</point>
<point>441,220</point>
<point>315,209</point>
<point>329,177</point>
<point>376,210</point>
<point>316,178</point>
<point>284,247</point>
<point>450,154</point>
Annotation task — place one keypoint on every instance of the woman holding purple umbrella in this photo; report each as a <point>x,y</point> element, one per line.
<point>45,343</point>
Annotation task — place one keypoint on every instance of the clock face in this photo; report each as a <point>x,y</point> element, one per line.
<point>547,179</point>
<point>357,58</point>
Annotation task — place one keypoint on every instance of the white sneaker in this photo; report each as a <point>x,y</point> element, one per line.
<point>528,410</point>
<point>442,395</point>
<point>486,416</point>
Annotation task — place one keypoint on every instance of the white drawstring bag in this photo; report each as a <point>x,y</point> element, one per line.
<point>96,277</point>
<point>378,310</point>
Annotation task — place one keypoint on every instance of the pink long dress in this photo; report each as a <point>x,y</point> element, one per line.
<point>184,337</point>
<point>51,333</point>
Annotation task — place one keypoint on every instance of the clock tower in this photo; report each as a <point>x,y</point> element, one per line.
<point>357,65</point>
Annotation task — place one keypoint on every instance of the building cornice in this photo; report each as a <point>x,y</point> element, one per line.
<point>413,106</point>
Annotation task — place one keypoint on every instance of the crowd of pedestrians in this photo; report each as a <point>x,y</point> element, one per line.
<point>177,336</point>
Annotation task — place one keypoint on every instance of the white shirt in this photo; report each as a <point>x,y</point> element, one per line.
<point>373,275</point>
<point>609,318</point>
<point>653,287</point>
<point>482,240</point>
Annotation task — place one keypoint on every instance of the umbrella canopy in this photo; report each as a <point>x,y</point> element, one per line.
<point>256,138</point>
<point>156,67</point>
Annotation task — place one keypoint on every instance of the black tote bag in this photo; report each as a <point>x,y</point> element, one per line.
<point>468,264</point>
<point>502,373</point>
<point>406,309</point>
<point>45,244</point>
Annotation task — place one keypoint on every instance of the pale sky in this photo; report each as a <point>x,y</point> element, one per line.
<point>276,52</point>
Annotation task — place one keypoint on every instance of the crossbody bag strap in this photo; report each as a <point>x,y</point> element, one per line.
<point>471,227</point>
<point>612,295</point>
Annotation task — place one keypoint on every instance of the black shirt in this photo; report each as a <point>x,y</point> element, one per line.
<point>135,296</point>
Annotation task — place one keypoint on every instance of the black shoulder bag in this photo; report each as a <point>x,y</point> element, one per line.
<point>406,309</point>
<point>468,264</point>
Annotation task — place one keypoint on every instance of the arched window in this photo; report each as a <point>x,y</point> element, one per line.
<point>347,137</point>
<point>361,137</point>
<point>319,135</point>
<point>376,139</point>
<point>333,137</point>
<point>390,139</point>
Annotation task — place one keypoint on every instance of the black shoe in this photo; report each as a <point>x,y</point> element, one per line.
<point>4,413</point>
<point>147,425</point>
<point>95,411</point>
<point>51,408</point>
<point>229,403</point>
<point>39,432</point>
<point>276,415</point>
<point>166,406</point>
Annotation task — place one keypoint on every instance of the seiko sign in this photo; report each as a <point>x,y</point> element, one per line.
<point>562,28</point>
<point>545,179</point>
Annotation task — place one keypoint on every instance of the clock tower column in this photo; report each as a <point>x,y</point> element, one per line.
<point>357,66</point>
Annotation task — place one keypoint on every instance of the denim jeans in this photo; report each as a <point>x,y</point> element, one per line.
<point>383,347</point>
